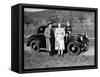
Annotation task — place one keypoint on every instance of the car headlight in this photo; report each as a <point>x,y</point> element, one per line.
<point>85,44</point>
<point>86,36</point>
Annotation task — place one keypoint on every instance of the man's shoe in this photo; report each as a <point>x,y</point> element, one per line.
<point>51,54</point>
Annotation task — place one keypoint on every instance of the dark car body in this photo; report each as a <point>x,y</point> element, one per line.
<point>80,40</point>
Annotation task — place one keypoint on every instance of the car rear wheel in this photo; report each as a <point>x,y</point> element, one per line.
<point>34,46</point>
<point>73,48</point>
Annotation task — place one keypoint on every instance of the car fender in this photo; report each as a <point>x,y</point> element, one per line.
<point>29,41</point>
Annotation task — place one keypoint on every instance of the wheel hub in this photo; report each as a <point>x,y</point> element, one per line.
<point>73,48</point>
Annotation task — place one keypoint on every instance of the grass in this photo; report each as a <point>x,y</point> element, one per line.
<point>43,60</point>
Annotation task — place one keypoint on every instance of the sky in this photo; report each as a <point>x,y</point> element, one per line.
<point>33,10</point>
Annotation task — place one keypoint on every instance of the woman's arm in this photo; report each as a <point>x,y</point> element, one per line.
<point>63,33</point>
<point>55,33</point>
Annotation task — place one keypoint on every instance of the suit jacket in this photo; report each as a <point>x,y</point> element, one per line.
<point>47,32</point>
<point>52,34</point>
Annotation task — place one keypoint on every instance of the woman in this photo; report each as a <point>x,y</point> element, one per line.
<point>59,39</point>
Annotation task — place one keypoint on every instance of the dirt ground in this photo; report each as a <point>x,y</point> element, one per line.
<point>43,60</point>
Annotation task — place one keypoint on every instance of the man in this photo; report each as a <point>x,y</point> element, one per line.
<point>49,38</point>
<point>47,35</point>
<point>68,29</point>
<point>52,41</point>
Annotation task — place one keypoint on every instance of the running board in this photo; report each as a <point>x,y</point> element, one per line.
<point>44,49</point>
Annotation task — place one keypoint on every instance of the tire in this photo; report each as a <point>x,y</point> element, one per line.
<point>34,46</point>
<point>73,48</point>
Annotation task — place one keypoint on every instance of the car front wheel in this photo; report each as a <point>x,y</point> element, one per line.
<point>73,48</point>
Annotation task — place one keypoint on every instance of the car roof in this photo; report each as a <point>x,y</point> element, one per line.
<point>41,29</point>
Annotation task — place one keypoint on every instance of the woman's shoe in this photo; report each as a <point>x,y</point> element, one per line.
<point>62,55</point>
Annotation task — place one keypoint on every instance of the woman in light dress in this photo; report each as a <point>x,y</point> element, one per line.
<point>59,39</point>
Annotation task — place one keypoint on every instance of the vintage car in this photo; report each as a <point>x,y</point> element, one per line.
<point>74,43</point>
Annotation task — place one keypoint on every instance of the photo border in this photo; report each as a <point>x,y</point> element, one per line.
<point>22,6</point>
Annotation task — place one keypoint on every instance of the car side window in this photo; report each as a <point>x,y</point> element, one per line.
<point>41,30</point>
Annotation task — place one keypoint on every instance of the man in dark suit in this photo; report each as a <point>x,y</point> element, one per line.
<point>52,41</point>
